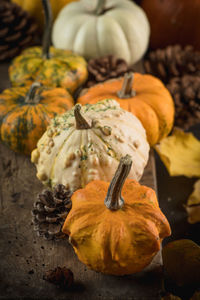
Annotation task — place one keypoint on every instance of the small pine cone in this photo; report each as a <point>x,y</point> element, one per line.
<point>173,61</point>
<point>50,211</point>
<point>105,67</point>
<point>62,277</point>
<point>186,94</point>
<point>17,30</point>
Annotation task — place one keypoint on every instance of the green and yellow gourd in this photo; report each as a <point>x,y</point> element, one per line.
<point>25,113</point>
<point>48,65</point>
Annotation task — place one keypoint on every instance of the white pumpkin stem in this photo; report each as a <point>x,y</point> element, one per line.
<point>127,90</point>
<point>31,97</point>
<point>114,200</point>
<point>100,7</point>
<point>81,122</point>
<point>47,31</point>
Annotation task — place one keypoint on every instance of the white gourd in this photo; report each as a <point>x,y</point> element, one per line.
<point>118,27</point>
<point>88,146</point>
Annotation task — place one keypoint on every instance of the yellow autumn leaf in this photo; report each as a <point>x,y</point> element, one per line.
<point>194,198</point>
<point>180,153</point>
<point>193,204</point>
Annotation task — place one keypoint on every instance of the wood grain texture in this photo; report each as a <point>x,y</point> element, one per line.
<point>24,257</point>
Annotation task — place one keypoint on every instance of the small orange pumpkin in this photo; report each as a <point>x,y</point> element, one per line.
<point>145,96</point>
<point>25,113</point>
<point>113,233</point>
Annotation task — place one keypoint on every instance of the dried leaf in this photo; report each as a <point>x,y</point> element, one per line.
<point>196,296</point>
<point>180,153</point>
<point>170,297</point>
<point>193,204</point>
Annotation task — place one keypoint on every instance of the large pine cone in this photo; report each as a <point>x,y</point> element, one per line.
<point>17,29</point>
<point>186,93</point>
<point>173,61</point>
<point>50,211</point>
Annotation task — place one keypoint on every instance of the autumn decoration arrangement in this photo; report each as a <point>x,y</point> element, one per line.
<point>43,80</point>
<point>88,121</point>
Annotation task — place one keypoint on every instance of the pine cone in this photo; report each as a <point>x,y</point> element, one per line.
<point>186,93</point>
<point>106,67</point>
<point>17,29</point>
<point>173,61</point>
<point>50,211</point>
<point>61,277</point>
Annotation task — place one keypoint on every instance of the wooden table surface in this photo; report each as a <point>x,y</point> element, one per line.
<point>24,257</point>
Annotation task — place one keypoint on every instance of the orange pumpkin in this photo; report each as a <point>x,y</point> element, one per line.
<point>116,228</point>
<point>145,96</point>
<point>25,113</point>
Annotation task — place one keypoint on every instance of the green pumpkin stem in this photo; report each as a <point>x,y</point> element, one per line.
<point>100,7</point>
<point>127,87</point>
<point>81,122</point>
<point>31,97</point>
<point>47,32</point>
<point>114,200</point>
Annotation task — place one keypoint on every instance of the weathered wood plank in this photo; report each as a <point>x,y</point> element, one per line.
<point>24,257</point>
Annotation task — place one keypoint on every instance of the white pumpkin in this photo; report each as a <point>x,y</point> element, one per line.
<point>118,27</point>
<point>79,147</point>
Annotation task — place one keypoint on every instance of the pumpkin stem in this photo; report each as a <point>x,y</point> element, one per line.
<point>81,123</point>
<point>127,87</point>
<point>100,7</point>
<point>31,97</point>
<point>47,32</point>
<point>114,200</point>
